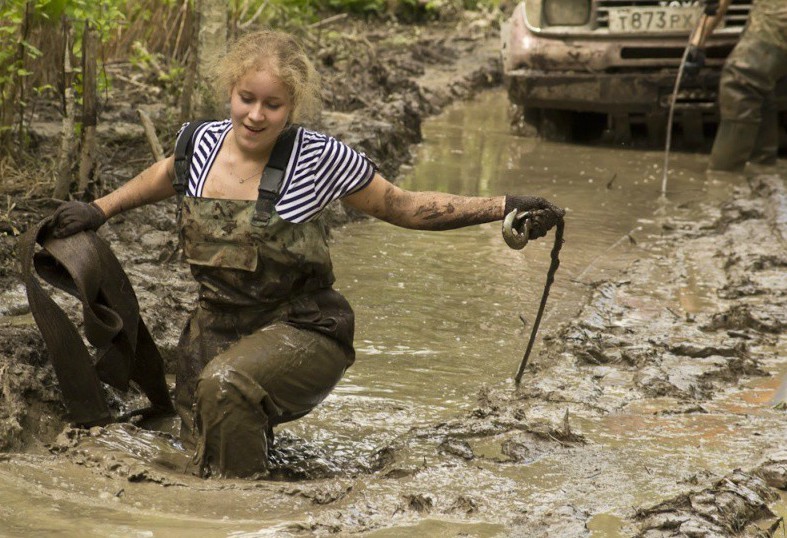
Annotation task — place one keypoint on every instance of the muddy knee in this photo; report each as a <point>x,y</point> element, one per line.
<point>231,423</point>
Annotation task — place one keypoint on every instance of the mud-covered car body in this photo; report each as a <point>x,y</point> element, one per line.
<point>616,57</point>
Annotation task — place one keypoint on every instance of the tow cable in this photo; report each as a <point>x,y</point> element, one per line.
<point>673,98</point>
<point>516,234</point>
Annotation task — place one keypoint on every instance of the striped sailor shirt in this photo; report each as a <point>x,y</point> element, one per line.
<point>321,169</point>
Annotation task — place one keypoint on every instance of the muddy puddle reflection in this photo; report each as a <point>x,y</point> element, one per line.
<point>438,317</point>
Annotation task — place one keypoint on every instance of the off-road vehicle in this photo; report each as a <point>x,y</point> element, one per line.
<point>577,68</point>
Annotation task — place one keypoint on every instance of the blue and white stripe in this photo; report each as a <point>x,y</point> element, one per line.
<point>321,169</point>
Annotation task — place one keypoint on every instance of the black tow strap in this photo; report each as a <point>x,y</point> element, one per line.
<point>84,266</point>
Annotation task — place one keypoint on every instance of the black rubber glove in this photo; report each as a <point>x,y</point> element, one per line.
<point>695,60</point>
<point>74,217</point>
<point>544,215</point>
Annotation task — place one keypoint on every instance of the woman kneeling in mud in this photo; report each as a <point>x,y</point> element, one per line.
<point>270,337</point>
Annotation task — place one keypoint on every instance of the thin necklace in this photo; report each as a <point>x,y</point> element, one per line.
<point>240,179</point>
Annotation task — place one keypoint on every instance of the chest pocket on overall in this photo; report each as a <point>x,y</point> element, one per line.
<point>228,233</point>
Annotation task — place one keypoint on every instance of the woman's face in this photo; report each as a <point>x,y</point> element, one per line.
<point>260,106</point>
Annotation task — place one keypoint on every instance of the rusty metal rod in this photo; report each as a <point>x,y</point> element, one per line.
<point>554,264</point>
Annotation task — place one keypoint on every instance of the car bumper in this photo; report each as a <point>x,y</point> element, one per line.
<point>610,93</point>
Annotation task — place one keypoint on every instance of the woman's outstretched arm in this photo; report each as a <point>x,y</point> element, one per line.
<point>443,211</point>
<point>424,210</point>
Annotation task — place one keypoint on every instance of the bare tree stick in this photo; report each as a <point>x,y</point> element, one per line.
<point>254,17</point>
<point>183,14</point>
<point>244,8</point>
<point>150,134</point>
<point>169,19</point>
<point>87,161</point>
<point>141,85</point>
<point>328,21</point>
<point>553,266</point>
<point>232,22</point>
<point>21,79</point>
<point>63,174</point>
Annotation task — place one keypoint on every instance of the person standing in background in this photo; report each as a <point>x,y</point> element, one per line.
<point>748,130</point>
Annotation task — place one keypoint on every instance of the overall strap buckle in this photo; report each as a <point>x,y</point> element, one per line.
<point>267,195</point>
<point>273,176</point>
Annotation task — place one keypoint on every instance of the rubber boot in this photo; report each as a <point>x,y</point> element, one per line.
<point>733,146</point>
<point>766,147</point>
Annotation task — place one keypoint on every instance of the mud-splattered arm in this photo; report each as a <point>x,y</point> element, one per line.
<point>424,210</point>
<point>151,185</point>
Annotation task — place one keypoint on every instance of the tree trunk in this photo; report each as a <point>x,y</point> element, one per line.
<point>211,17</point>
<point>63,178</point>
<point>87,161</point>
<point>190,78</point>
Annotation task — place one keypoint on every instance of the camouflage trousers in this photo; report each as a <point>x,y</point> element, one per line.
<point>748,130</point>
<point>233,388</point>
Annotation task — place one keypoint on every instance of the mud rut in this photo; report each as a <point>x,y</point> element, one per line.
<point>627,346</point>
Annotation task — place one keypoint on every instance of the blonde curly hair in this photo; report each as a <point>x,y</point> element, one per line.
<point>281,54</point>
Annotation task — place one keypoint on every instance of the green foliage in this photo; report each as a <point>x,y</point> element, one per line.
<point>104,16</point>
<point>141,57</point>
<point>15,51</point>
<point>42,18</point>
<point>298,13</point>
<point>479,4</point>
<point>171,77</point>
<point>357,6</point>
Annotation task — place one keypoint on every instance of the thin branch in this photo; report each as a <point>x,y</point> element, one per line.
<point>150,134</point>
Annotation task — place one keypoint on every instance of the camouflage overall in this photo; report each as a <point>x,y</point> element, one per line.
<point>749,126</point>
<point>269,339</point>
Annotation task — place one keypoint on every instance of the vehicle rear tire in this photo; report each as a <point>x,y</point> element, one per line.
<point>556,125</point>
<point>549,124</point>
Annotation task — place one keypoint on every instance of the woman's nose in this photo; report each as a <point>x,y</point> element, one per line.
<point>257,113</point>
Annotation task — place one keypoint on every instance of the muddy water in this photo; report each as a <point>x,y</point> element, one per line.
<point>438,313</point>
<point>438,317</point>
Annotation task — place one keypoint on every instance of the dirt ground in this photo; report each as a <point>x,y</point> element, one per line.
<point>623,348</point>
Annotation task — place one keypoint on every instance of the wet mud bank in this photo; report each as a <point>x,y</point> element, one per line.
<point>641,352</point>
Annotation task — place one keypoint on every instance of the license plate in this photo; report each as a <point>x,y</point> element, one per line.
<point>653,19</point>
